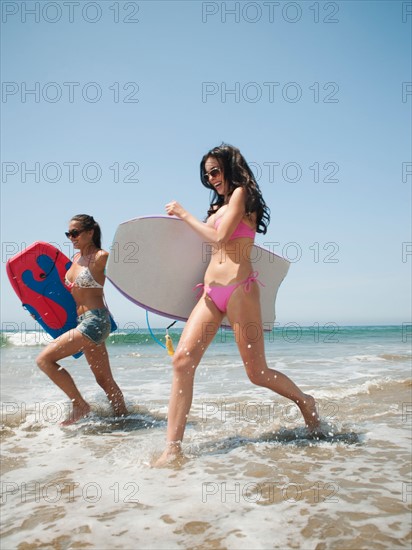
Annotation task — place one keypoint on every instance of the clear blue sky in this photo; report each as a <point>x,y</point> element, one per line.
<point>309,91</point>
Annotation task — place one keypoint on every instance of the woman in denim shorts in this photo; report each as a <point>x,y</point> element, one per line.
<point>85,279</point>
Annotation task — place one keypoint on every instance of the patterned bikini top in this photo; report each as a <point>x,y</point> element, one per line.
<point>242,230</point>
<point>83,280</point>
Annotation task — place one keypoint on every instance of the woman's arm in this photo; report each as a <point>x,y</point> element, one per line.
<point>206,230</point>
<point>233,215</point>
<point>99,265</point>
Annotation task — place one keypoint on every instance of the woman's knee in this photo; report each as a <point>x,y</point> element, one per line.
<point>43,361</point>
<point>182,362</point>
<point>258,377</point>
<point>40,361</point>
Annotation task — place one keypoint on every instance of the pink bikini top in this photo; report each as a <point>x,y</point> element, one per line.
<point>242,230</point>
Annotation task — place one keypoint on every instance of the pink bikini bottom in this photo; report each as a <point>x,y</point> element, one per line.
<point>220,295</point>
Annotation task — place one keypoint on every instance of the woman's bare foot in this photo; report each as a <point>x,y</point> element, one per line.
<point>172,452</point>
<point>79,411</point>
<point>309,412</point>
<point>120,409</point>
<point>117,402</point>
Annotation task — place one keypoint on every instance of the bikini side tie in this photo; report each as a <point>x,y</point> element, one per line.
<point>253,277</point>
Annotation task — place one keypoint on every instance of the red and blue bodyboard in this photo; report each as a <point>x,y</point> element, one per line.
<point>37,276</point>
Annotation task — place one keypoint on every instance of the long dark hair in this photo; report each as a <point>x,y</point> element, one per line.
<point>88,223</point>
<point>237,173</point>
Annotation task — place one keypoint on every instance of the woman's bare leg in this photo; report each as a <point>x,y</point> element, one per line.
<point>244,315</point>
<point>96,354</point>
<point>98,359</point>
<point>199,331</point>
<point>65,345</point>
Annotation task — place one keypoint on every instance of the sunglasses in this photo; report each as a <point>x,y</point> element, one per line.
<point>73,233</point>
<point>212,173</point>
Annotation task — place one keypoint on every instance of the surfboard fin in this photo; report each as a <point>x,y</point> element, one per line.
<point>169,345</point>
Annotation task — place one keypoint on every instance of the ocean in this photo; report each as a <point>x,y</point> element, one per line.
<point>252,477</point>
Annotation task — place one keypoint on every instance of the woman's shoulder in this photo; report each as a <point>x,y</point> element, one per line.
<point>237,201</point>
<point>102,253</point>
<point>238,193</point>
<point>100,258</point>
<point>237,198</point>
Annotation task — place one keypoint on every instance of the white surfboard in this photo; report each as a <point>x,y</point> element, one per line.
<point>156,261</point>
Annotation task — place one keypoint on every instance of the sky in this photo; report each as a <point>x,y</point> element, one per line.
<point>108,107</point>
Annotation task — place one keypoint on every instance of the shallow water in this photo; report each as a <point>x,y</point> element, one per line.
<point>251,478</point>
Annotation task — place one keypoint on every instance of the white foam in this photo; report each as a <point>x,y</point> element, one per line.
<point>23,339</point>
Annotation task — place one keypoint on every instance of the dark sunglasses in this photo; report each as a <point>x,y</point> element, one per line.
<point>212,173</point>
<point>73,233</point>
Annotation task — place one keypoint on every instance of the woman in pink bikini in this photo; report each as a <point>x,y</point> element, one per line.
<point>230,288</point>
<point>85,279</point>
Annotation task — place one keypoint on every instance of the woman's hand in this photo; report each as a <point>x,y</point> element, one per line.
<point>208,232</point>
<point>173,208</point>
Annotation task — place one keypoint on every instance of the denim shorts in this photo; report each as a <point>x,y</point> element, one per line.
<point>94,324</point>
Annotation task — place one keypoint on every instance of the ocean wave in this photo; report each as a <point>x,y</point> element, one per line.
<point>370,387</point>
<point>41,338</point>
<point>25,339</point>
<point>395,357</point>
<point>367,358</point>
